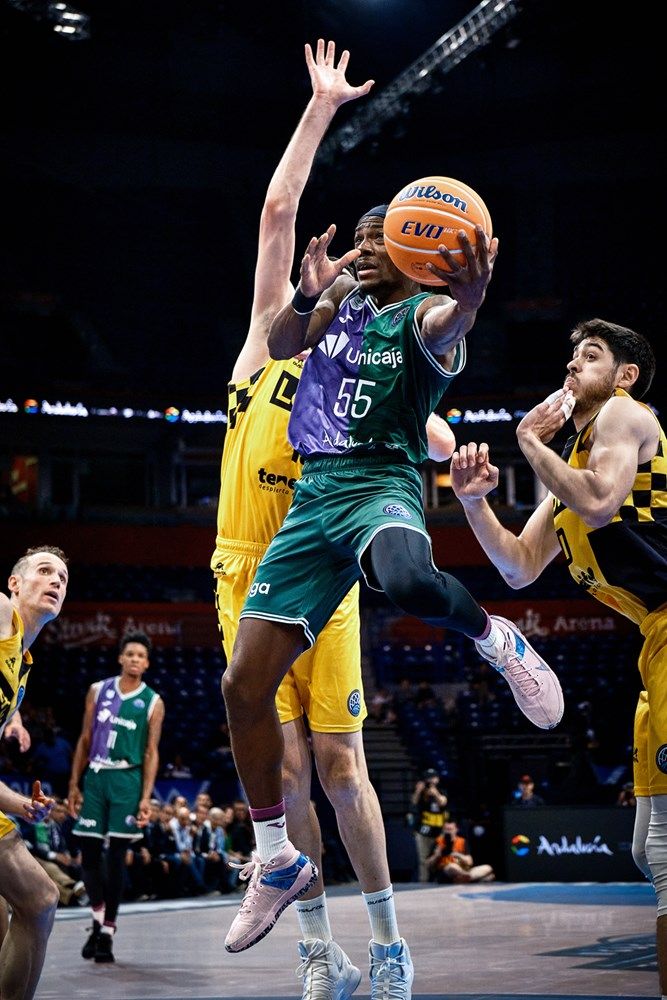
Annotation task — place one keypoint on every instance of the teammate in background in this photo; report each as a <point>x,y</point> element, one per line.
<point>382,355</point>
<point>259,469</point>
<point>37,588</point>
<point>607,511</point>
<point>118,750</point>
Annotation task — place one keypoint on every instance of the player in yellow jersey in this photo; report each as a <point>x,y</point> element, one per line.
<point>258,473</point>
<point>607,511</point>
<point>37,587</point>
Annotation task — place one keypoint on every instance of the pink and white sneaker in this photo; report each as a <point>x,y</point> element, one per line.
<point>272,886</point>
<point>533,683</point>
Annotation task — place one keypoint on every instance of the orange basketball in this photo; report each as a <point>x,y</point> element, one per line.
<point>425,214</point>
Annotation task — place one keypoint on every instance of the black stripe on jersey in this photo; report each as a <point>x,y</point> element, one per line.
<point>633,556</point>
<point>6,688</point>
<point>567,447</point>
<point>559,506</point>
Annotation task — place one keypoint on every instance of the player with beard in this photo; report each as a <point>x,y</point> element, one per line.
<point>607,512</point>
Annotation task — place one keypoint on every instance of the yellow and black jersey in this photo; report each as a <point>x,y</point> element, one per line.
<point>259,466</point>
<point>15,663</point>
<point>624,563</point>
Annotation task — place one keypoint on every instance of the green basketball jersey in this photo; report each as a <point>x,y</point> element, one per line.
<point>120,725</point>
<point>370,384</point>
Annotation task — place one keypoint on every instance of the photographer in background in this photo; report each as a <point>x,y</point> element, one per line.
<point>427,816</point>
<point>451,862</point>
<point>525,796</point>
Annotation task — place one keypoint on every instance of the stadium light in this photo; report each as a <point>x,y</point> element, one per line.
<point>469,35</point>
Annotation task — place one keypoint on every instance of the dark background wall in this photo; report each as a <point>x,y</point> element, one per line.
<point>135,164</point>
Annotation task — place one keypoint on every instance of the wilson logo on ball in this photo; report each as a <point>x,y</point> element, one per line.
<point>430,191</point>
<point>428,213</point>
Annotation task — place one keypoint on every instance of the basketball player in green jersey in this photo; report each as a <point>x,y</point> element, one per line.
<point>325,685</point>
<point>37,588</point>
<point>607,512</point>
<point>118,751</point>
<point>382,354</point>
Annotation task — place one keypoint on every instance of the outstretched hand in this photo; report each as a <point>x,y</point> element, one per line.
<point>327,80</point>
<point>472,474</point>
<point>468,281</point>
<point>319,271</point>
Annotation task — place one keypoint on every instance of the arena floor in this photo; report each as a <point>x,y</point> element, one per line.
<point>485,942</point>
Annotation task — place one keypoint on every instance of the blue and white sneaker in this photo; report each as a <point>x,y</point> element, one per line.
<point>391,971</point>
<point>533,683</point>
<point>327,972</point>
<point>271,888</point>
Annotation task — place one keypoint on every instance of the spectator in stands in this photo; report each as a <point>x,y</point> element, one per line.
<point>176,802</point>
<point>144,870</point>
<point>138,864</point>
<point>221,819</point>
<point>190,866</point>
<point>450,711</point>
<point>200,828</point>
<point>203,799</point>
<point>405,692</point>
<point>428,812</point>
<point>52,760</point>
<point>217,858</point>
<point>525,796</point>
<point>382,707</point>
<point>241,833</point>
<point>626,796</point>
<point>166,854</point>
<point>425,696</point>
<point>483,683</point>
<point>451,862</point>
<point>176,768</point>
<point>47,842</point>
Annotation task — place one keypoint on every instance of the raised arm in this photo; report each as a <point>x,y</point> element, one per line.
<point>275,254</point>
<point>445,321</point>
<point>518,558</point>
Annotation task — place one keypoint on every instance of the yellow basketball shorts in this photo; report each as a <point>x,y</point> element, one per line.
<point>6,825</point>
<point>650,728</point>
<point>325,682</point>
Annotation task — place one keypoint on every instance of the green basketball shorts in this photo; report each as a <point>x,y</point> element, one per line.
<point>339,505</point>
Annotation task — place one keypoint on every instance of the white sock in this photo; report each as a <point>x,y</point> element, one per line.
<point>314,918</point>
<point>109,929</point>
<point>382,916</point>
<point>270,831</point>
<point>98,914</point>
<point>493,642</point>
